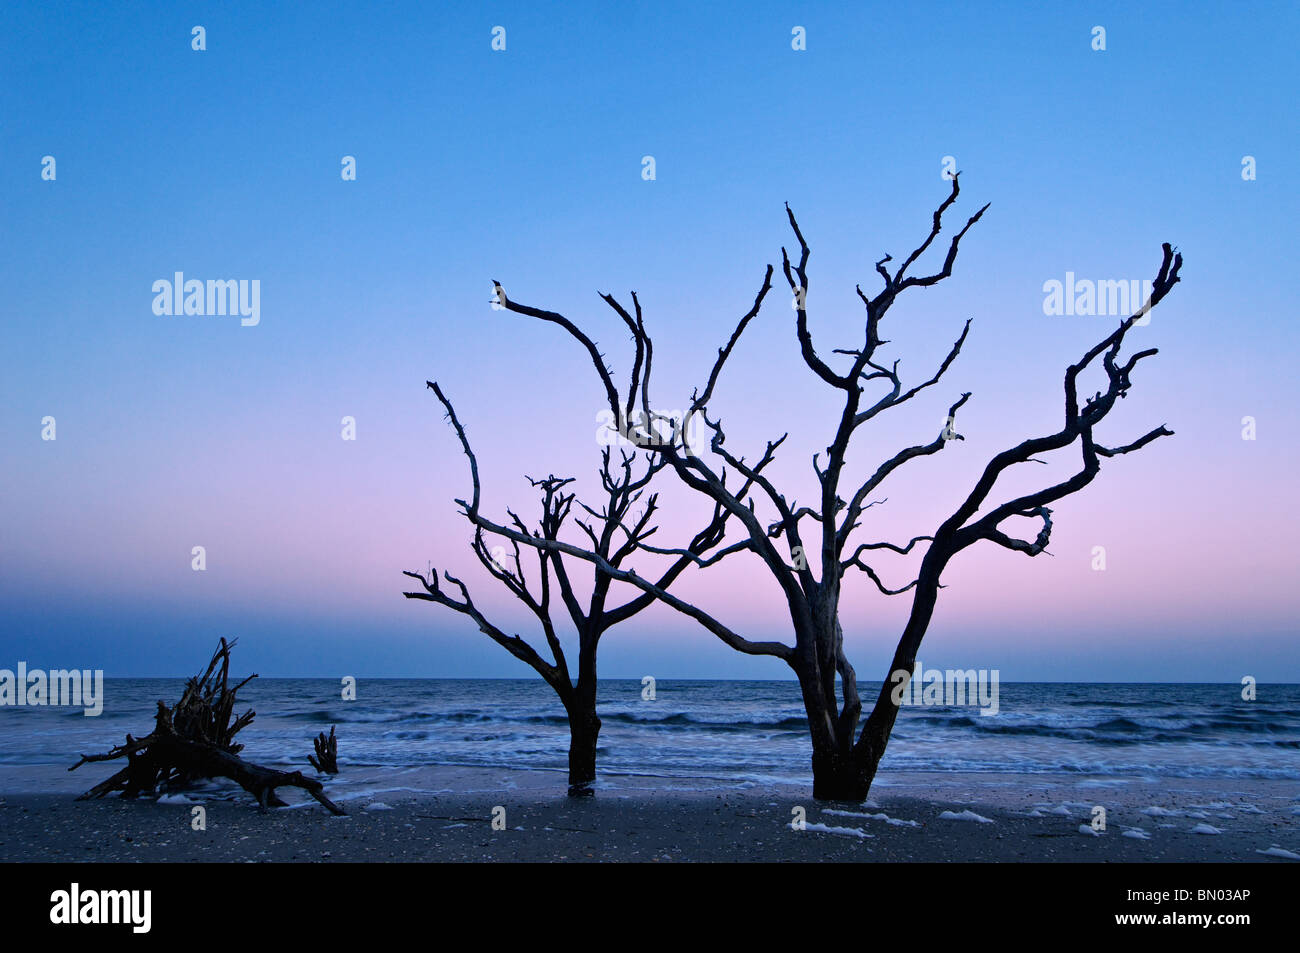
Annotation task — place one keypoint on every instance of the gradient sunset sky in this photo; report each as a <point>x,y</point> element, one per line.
<point>526,166</point>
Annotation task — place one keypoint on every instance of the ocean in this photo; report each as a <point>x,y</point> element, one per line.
<point>734,732</point>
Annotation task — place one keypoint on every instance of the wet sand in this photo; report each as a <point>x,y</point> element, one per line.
<point>658,820</point>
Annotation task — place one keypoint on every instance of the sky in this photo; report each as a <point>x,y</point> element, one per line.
<point>526,165</point>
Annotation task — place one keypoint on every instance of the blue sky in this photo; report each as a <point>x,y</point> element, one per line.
<point>525,166</point>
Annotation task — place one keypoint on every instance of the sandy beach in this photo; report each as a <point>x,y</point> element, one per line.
<point>640,819</point>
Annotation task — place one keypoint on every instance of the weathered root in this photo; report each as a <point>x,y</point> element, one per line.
<point>326,759</point>
<point>194,740</point>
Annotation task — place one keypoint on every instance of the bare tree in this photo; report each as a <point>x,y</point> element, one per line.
<point>847,749</point>
<point>612,534</point>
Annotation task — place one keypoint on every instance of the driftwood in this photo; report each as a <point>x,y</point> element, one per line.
<point>194,740</point>
<point>326,759</point>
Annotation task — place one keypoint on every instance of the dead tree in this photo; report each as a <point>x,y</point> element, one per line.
<point>612,534</point>
<point>326,759</point>
<point>846,750</point>
<point>194,740</point>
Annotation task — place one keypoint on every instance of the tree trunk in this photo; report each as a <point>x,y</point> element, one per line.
<point>838,776</point>
<point>584,726</point>
<point>870,747</point>
<point>584,729</point>
<point>838,773</point>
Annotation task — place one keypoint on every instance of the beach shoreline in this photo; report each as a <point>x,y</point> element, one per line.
<point>447,815</point>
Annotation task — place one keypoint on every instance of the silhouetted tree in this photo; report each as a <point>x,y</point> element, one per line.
<point>846,748</point>
<point>613,534</point>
